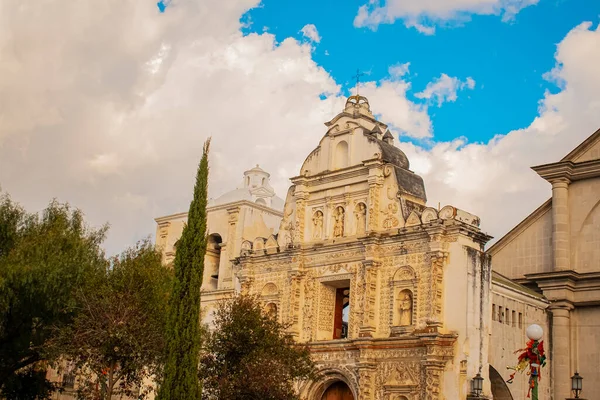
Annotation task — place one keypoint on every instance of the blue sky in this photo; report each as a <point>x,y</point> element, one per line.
<point>506,59</point>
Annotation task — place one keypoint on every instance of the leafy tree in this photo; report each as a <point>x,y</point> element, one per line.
<point>44,259</point>
<point>117,339</point>
<point>29,383</point>
<point>249,355</point>
<point>183,337</point>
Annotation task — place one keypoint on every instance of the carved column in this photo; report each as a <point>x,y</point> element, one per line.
<point>375,184</point>
<point>560,224</point>
<point>370,270</point>
<point>366,380</point>
<point>432,372</point>
<point>295,282</point>
<point>301,198</point>
<point>437,260</point>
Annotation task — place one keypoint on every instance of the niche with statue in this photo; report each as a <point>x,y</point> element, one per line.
<point>403,287</point>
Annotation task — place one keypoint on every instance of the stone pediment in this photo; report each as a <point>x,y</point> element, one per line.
<point>401,376</point>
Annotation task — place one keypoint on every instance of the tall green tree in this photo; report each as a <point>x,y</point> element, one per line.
<point>250,356</point>
<point>117,341</point>
<point>183,335</point>
<point>44,259</point>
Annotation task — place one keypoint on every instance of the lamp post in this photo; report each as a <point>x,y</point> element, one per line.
<point>576,384</point>
<point>477,385</point>
<point>534,332</point>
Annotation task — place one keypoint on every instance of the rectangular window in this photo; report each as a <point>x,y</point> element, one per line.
<point>507,320</point>
<point>500,314</point>
<point>520,320</point>
<point>514,318</point>
<point>493,312</point>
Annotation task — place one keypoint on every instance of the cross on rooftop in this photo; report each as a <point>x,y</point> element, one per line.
<point>357,77</point>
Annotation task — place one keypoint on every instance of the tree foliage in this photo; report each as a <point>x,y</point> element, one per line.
<point>183,337</point>
<point>29,383</point>
<point>117,339</point>
<point>250,356</point>
<point>44,259</point>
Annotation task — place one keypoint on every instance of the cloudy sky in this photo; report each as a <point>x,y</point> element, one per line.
<point>106,104</point>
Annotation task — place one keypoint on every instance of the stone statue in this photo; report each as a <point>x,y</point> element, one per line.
<point>405,309</point>
<point>318,225</point>
<point>338,225</point>
<point>361,219</point>
<point>271,310</point>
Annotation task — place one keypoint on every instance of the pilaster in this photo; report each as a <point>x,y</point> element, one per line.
<point>560,224</point>
<point>561,349</point>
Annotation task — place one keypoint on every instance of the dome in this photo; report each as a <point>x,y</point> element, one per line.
<point>255,188</point>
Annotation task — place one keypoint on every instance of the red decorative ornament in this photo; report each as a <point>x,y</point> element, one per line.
<point>532,354</point>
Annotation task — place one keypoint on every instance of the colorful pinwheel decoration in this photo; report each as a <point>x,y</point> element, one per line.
<point>533,358</point>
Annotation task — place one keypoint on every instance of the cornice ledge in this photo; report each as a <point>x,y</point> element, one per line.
<point>568,170</point>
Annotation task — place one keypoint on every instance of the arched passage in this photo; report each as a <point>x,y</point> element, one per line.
<point>338,391</point>
<point>500,389</point>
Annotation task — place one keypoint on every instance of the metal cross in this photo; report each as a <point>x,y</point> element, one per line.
<point>357,76</point>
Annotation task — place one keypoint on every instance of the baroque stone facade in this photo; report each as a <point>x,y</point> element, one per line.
<point>391,295</point>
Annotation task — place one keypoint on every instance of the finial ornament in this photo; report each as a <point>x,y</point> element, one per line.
<point>357,77</point>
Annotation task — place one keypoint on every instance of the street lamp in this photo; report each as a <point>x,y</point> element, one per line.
<point>477,384</point>
<point>534,332</point>
<point>576,384</point>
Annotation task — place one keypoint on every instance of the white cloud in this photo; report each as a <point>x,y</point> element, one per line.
<point>107,107</point>
<point>309,31</point>
<point>494,179</point>
<point>425,15</point>
<point>398,70</point>
<point>388,100</point>
<point>444,89</point>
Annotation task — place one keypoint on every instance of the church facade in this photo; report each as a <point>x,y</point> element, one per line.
<point>396,300</point>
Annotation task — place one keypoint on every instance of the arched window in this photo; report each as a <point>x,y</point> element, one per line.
<point>261,201</point>
<point>212,259</point>
<point>341,155</point>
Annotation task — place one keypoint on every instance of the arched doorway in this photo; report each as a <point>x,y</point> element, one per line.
<point>338,391</point>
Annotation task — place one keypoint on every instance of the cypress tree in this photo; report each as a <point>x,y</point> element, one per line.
<point>180,380</point>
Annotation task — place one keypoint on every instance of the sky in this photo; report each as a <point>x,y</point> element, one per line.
<point>106,105</point>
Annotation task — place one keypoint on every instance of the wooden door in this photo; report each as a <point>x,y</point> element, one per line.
<point>338,391</point>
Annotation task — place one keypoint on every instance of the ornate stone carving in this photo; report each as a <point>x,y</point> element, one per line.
<point>338,221</point>
<point>428,215</point>
<point>413,220</point>
<point>326,307</point>
<point>448,212</point>
<point>374,189</point>
<point>246,248</point>
<point>405,308</point>
<point>317,225</point>
<point>361,219</point>
<point>390,220</point>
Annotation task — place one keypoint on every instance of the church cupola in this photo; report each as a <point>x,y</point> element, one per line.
<point>256,178</point>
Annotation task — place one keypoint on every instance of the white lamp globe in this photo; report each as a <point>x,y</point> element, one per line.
<point>534,332</point>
